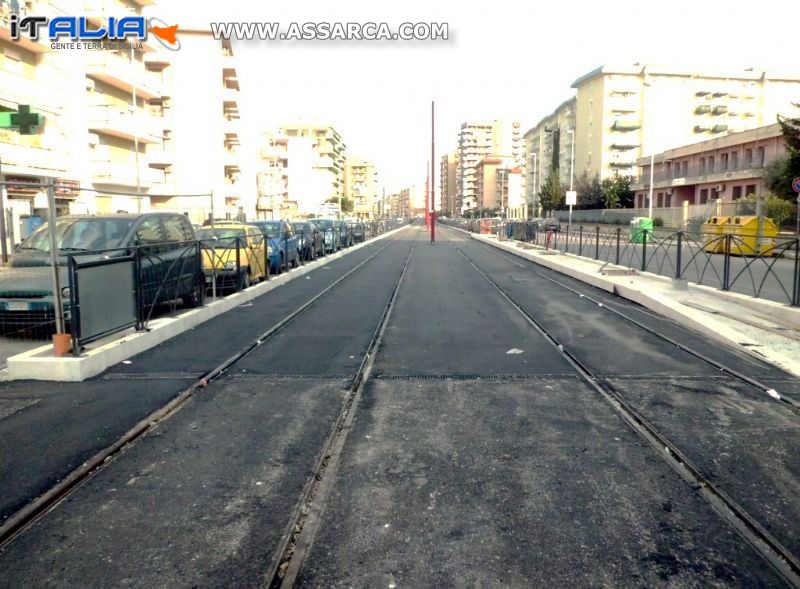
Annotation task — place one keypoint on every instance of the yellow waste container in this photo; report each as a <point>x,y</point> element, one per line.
<point>744,230</point>
<point>713,240</point>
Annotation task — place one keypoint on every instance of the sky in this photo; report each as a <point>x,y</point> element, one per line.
<point>505,60</point>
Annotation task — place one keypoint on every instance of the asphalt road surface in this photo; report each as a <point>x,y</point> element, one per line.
<point>476,455</point>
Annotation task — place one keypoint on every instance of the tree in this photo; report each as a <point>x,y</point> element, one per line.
<point>347,203</point>
<point>617,192</point>
<point>780,172</point>
<point>551,194</point>
<point>590,192</point>
<point>775,208</point>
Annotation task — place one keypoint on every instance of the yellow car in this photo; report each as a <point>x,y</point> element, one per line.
<point>234,254</point>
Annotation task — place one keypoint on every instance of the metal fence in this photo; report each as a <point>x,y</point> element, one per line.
<point>106,290</point>
<point>766,267</point>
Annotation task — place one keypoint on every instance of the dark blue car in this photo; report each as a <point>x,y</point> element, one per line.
<point>283,250</point>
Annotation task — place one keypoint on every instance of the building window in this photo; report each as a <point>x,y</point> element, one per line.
<point>711,164</point>
<point>749,189</point>
<point>703,196</point>
<point>685,168</point>
<point>748,158</point>
<point>737,192</point>
<point>723,161</point>
<point>668,200</point>
<point>660,200</point>
<point>702,165</point>
<point>735,160</point>
<point>760,157</point>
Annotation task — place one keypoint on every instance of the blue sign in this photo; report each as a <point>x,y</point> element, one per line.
<point>796,184</point>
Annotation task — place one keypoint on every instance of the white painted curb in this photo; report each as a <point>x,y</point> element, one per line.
<point>40,364</point>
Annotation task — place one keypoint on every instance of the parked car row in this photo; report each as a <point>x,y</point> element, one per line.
<point>174,258</point>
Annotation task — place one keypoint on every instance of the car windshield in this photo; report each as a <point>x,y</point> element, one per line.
<point>325,223</point>
<point>272,230</point>
<point>87,234</point>
<point>219,237</point>
<point>302,226</point>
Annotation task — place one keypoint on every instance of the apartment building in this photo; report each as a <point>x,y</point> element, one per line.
<point>447,184</point>
<point>626,112</point>
<point>361,186</point>
<point>549,146</point>
<point>273,178</point>
<point>209,145</point>
<point>491,173</point>
<point>126,129</point>
<point>725,168</point>
<point>328,157</point>
<point>476,140</point>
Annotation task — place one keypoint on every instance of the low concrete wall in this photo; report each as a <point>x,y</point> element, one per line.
<point>40,364</point>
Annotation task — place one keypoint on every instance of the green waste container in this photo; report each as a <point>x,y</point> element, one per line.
<point>638,227</point>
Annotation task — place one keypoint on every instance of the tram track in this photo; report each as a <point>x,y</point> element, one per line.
<point>766,544</point>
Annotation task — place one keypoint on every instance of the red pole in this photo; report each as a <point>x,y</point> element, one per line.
<point>433,182</point>
<point>427,199</point>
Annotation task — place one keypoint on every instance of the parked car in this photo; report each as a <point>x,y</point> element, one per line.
<point>234,254</point>
<point>170,268</point>
<point>331,234</point>
<point>345,233</point>
<point>551,224</point>
<point>309,239</point>
<point>358,232</point>
<point>283,242</point>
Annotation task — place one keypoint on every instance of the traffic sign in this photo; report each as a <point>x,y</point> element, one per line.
<point>796,184</point>
<point>572,197</point>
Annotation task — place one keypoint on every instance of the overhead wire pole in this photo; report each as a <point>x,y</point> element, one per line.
<point>433,179</point>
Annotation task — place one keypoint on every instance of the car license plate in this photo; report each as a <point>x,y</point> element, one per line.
<point>17,306</point>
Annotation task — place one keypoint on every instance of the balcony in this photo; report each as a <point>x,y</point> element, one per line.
<point>23,154</point>
<point>697,174</point>
<point>39,9</point>
<point>160,157</point>
<point>121,73</point>
<point>231,94</point>
<point>19,89</point>
<point>702,109</point>
<point>158,59</point>
<point>624,146</point>
<point>108,172</point>
<point>626,125</point>
<point>120,122</point>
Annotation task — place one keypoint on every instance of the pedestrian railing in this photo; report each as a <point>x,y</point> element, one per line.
<point>764,268</point>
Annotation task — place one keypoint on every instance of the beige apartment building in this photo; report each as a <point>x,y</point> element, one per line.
<point>273,178</point>
<point>121,128</point>
<point>723,169</point>
<point>447,184</point>
<point>624,113</point>
<point>361,185</point>
<point>548,146</point>
<point>476,140</point>
<point>328,156</point>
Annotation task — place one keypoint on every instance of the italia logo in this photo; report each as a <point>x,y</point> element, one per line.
<point>78,28</point>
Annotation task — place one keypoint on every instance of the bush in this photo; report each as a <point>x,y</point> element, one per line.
<point>658,222</point>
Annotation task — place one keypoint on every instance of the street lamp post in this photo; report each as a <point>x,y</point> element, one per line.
<point>571,174</point>
<point>535,212</point>
<point>135,138</point>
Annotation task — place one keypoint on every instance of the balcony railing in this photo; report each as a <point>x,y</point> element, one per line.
<point>121,73</point>
<point>697,173</point>
<point>120,122</point>
<point>106,171</point>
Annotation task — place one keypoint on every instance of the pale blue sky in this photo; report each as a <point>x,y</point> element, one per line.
<point>509,60</point>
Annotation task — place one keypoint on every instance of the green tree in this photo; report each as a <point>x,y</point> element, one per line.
<point>590,192</point>
<point>778,209</point>
<point>617,192</point>
<point>780,172</point>
<point>347,203</point>
<point>551,194</point>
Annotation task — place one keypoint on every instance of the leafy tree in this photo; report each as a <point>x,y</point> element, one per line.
<point>551,194</point>
<point>776,208</point>
<point>617,192</point>
<point>780,172</point>
<point>590,192</point>
<point>347,203</point>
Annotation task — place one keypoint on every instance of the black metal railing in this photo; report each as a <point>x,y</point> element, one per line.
<point>767,267</point>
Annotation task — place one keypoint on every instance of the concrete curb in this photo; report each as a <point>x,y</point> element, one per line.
<point>39,364</point>
<point>697,320</point>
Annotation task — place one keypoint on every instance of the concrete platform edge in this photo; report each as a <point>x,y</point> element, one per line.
<point>38,364</point>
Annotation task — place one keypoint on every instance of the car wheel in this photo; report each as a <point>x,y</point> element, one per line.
<point>246,280</point>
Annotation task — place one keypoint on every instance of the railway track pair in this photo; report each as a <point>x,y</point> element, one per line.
<point>766,544</point>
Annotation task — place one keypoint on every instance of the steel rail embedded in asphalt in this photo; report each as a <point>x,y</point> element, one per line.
<point>748,380</point>
<point>781,558</point>
<point>303,526</point>
<point>28,515</point>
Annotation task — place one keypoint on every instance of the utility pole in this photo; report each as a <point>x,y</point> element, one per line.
<point>433,177</point>
<point>3,201</point>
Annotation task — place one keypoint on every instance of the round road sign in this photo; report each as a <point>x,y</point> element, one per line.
<point>796,184</point>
